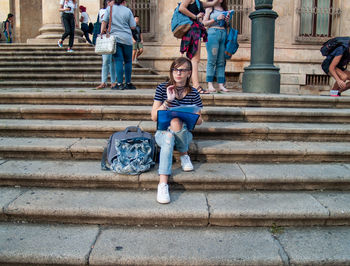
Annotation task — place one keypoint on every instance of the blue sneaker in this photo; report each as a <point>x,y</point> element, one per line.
<point>70,50</point>
<point>59,43</point>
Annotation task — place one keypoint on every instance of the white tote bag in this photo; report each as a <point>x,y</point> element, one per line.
<point>106,43</point>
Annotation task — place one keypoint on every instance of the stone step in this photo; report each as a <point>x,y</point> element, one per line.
<point>64,69</point>
<point>145,97</point>
<point>53,84</point>
<point>210,113</point>
<point>187,208</point>
<point>207,176</point>
<point>82,76</point>
<point>208,130</point>
<point>200,150</point>
<point>116,245</point>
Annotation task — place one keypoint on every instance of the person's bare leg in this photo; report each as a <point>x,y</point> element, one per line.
<point>195,64</point>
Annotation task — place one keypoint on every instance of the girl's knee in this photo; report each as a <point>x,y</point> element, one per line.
<point>176,124</point>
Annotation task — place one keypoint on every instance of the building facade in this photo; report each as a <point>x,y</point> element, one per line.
<point>301,27</point>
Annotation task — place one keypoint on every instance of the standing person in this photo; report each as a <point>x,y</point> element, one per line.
<point>67,7</point>
<point>335,65</point>
<point>191,42</point>
<point>137,40</point>
<point>176,92</point>
<point>108,63</point>
<point>8,28</point>
<point>84,19</point>
<point>216,23</point>
<point>123,22</point>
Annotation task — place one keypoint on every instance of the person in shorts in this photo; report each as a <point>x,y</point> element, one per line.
<point>137,40</point>
<point>335,65</point>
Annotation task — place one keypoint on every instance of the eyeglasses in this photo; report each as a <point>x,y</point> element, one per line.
<point>180,70</point>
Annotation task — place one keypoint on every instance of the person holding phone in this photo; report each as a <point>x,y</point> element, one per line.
<point>67,7</point>
<point>176,92</point>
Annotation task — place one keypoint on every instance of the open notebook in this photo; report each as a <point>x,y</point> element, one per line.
<point>186,113</point>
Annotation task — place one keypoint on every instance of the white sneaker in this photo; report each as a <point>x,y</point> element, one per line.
<point>334,93</point>
<point>163,193</point>
<point>186,163</point>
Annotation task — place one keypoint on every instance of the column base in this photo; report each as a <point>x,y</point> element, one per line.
<point>261,79</point>
<point>51,33</point>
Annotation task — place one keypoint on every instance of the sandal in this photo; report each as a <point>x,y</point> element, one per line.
<point>202,91</point>
<point>113,85</point>
<point>212,90</point>
<point>101,86</point>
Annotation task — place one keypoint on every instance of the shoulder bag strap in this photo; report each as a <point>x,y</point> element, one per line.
<point>110,20</point>
<point>198,5</point>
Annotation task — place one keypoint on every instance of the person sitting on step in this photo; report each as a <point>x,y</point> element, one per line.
<point>176,92</point>
<point>335,65</point>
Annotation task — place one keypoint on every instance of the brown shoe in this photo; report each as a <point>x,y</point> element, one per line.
<point>101,86</point>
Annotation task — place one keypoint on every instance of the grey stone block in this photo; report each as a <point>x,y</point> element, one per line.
<point>46,244</point>
<point>265,209</point>
<point>317,245</point>
<point>109,207</point>
<point>172,246</point>
<point>7,195</point>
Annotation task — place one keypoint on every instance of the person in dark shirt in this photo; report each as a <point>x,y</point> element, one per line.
<point>335,65</point>
<point>137,40</point>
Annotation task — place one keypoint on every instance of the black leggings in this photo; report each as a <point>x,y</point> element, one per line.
<point>69,28</point>
<point>85,29</point>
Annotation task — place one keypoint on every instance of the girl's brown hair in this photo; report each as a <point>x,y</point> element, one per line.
<point>223,4</point>
<point>176,64</point>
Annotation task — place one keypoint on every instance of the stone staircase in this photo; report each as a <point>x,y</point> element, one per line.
<point>270,187</point>
<point>48,66</point>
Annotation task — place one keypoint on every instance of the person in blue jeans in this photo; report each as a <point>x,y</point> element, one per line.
<point>8,28</point>
<point>123,22</point>
<point>176,92</point>
<point>108,66</point>
<point>216,23</point>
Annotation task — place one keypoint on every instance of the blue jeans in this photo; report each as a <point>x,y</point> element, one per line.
<point>108,66</point>
<point>167,140</point>
<point>216,55</point>
<point>123,59</point>
<point>8,40</point>
<point>85,29</point>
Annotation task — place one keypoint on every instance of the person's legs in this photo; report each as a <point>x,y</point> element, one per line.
<point>139,49</point>
<point>134,51</point>
<point>127,62</point>
<point>112,70</point>
<point>66,24</point>
<point>195,63</point>
<point>72,29</point>
<point>119,63</point>
<point>220,61</point>
<point>85,29</point>
<point>212,51</point>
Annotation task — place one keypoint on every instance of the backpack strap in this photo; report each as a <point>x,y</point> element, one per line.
<point>104,166</point>
<point>198,5</point>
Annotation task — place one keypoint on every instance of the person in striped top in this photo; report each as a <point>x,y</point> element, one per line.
<point>176,92</point>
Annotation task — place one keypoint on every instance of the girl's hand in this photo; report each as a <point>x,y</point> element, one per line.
<point>200,16</point>
<point>170,91</point>
<point>227,18</point>
<point>341,84</point>
<point>220,17</point>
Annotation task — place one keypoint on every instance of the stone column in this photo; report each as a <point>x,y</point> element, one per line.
<point>52,27</point>
<point>262,76</point>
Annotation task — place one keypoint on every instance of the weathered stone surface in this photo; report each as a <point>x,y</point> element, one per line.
<point>204,176</point>
<point>110,207</point>
<point>337,203</point>
<point>317,246</point>
<point>309,176</point>
<point>7,195</point>
<point>63,174</point>
<point>46,244</point>
<point>172,246</point>
<point>265,208</point>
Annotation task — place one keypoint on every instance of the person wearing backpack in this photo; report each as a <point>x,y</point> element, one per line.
<point>216,22</point>
<point>8,28</point>
<point>176,92</point>
<point>335,65</point>
<point>191,42</point>
<point>84,19</point>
